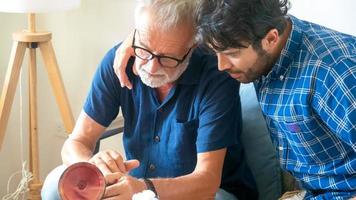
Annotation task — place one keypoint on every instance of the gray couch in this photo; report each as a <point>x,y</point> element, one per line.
<point>260,153</point>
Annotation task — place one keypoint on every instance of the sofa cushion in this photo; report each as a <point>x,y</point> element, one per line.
<point>260,153</point>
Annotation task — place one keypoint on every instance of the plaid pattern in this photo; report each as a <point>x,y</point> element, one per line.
<point>309,102</point>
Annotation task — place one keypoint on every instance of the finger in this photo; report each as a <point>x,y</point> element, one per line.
<point>116,189</point>
<point>102,166</point>
<point>119,197</point>
<point>119,161</point>
<point>112,198</point>
<point>110,162</point>
<point>122,56</point>
<point>121,65</point>
<point>92,161</point>
<point>131,164</point>
<point>112,178</point>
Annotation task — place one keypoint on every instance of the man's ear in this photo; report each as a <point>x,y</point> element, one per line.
<point>270,41</point>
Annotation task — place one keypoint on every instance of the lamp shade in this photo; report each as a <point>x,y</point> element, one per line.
<point>37,6</point>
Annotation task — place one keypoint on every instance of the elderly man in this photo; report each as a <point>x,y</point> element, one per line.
<point>182,119</point>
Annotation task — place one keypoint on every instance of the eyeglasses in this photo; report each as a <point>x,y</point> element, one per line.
<point>164,61</point>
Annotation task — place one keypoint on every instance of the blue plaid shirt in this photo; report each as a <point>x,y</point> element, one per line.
<point>309,102</point>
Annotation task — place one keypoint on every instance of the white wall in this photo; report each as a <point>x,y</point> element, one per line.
<point>339,15</point>
<point>81,37</point>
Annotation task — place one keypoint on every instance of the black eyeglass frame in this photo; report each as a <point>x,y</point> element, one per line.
<point>159,57</point>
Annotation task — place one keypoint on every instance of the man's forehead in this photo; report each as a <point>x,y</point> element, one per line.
<point>181,30</point>
<point>229,50</point>
<point>152,35</point>
<point>147,31</point>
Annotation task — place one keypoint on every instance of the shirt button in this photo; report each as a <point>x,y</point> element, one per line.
<point>152,167</point>
<point>157,138</point>
<point>280,148</point>
<point>281,77</point>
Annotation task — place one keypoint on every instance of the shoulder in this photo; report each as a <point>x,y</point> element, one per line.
<point>342,73</point>
<point>209,73</point>
<point>325,44</point>
<point>214,86</point>
<point>323,52</point>
<point>105,68</point>
<point>110,55</point>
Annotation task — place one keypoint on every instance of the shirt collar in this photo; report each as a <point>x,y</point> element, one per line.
<point>282,64</point>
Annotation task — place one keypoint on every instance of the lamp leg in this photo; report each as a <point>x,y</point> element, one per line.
<point>10,83</point>
<point>57,84</point>
<point>35,184</point>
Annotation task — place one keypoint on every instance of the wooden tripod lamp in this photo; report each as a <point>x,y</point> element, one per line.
<point>31,39</point>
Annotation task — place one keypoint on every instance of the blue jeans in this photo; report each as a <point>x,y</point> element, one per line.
<point>50,187</point>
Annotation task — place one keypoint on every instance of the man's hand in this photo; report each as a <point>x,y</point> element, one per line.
<point>122,56</point>
<point>110,161</point>
<point>122,186</point>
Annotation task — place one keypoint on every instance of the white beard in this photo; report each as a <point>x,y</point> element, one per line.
<point>160,78</point>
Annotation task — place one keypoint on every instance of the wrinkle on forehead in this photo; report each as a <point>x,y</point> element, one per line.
<point>174,42</point>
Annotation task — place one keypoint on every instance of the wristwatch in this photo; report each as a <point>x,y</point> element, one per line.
<point>150,186</point>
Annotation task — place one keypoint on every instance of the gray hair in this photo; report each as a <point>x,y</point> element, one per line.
<point>169,13</point>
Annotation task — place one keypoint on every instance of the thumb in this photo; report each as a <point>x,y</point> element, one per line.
<point>131,164</point>
<point>112,178</point>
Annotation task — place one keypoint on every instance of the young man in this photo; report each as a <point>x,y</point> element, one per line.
<point>182,119</point>
<point>305,78</point>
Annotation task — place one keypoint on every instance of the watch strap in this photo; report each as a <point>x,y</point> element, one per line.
<point>150,186</point>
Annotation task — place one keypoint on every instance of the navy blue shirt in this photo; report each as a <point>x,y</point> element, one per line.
<point>201,113</point>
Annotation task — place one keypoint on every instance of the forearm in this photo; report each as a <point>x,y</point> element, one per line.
<point>74,151</point>
<point>197,185</point>
<point>202,183</point>
<point>81,143</point>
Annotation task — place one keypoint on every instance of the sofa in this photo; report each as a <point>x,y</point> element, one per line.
<point>259,150</point>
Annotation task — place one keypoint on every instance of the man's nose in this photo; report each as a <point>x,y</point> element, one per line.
<point>152,66</point>
<point>223,62</point>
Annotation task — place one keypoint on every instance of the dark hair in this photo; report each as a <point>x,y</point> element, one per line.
<point>224,24</point>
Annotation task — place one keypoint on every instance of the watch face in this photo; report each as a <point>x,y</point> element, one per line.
<point>82,181</point>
